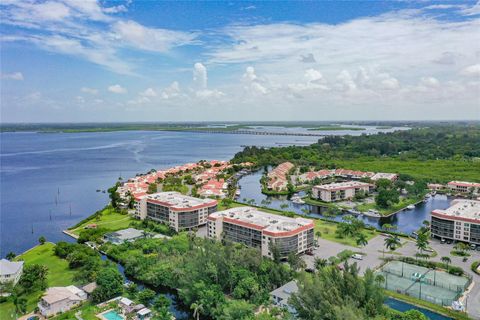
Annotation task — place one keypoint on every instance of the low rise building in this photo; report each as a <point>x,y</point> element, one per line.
<point>125,235</point>
<point>340,191</point>
<point>281,295</point>
<point>262,230</point>
<point>460,222</point>
<point>10,271</point>
<point>60,299</point>
<point>277,179</point>
<point>179,211</point>
<point>435,186</point>
<point>463,187</point>
<point>382,175</point>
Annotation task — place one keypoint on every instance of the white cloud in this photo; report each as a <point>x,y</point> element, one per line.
<point>429,82</point>
<point>252,83</point>
<point>473,70</point>
<point>12,76</point>
<point>89,90</point>
<point>206,94</point>
<point>472,11</point>
<point>115,9</point>
<point>345,81</point>
<point>116,88</point>
<point>151,39</point>
<point>149,92</point>
<point>200,76</point>
<point>171,91</point>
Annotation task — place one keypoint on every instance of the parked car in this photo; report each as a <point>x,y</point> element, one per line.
<point>443,241</point>
<point>449,241</point>
<point>357,256</point>
<point>473,246</point>
<point>309,253</point>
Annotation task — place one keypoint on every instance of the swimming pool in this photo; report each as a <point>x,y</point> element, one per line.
<point>403,306</point>
<point>112,315</point>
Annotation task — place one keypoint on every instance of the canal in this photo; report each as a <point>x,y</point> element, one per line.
<point>406,221</point>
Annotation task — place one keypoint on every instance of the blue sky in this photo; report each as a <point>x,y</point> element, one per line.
<point>76,61</point>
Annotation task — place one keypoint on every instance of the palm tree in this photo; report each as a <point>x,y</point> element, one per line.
<point>362,239</point>
<point>320,263</point>
<point>379,279</point>
<point>422,242</point>
<point>446,260</point>
<point>391,243</point>
<point>197,309</point>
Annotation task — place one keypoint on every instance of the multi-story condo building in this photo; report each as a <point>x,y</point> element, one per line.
<point>460,222</point>
<point>463,186</point>
<point>339,191</point>
<point>179,211</point>
<point>262,230</point>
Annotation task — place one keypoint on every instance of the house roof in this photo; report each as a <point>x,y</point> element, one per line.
<point>56,294</point>
<point>88,288</point>
<point>284,292</point>
<point>10,267</point>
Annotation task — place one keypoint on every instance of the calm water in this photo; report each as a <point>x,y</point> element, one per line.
<point>403,306</point>
<point>44,175</point>
<point>406,221</point>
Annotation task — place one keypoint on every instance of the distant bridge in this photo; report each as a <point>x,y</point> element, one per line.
<point>259,133</point>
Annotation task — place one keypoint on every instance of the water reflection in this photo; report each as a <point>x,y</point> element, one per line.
<point>406,221</point>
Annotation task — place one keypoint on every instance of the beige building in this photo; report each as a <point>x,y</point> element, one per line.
<point>179,211</point>
<point>261,230</point>
<point>10,271</point>
<point>461,221</point>
<point>463,186</point>
<point>339,191</point>
<point>60,299</point>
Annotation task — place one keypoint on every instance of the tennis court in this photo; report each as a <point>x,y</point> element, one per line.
<point>427,284</point>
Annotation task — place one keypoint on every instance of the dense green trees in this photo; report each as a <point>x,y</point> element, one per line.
<point>204,272</point>
<point>333,294</point>
<point>109,285</point>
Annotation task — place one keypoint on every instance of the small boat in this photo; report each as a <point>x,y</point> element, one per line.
<point>354,212</point>
<point>297,200</point>
<point>410,207</point>
<point>372,213</point>
<point>237,193</point>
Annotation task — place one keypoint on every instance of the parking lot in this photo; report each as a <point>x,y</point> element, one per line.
<point>372,258</point>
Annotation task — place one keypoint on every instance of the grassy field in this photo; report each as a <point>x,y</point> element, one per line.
<point>58,275</point>
<point>401,205</point>
<point>432,170</point>
<point>108,219</point>
<point>327,229</point>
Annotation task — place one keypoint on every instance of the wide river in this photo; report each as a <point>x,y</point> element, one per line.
<point>49,181</point>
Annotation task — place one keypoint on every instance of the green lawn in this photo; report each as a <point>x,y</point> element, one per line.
<point>327,229</point>
<point>58,275</point>
<point>401,205</point>
<point>109,219</point>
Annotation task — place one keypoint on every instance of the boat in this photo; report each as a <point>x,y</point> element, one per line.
<point>297,200</point>
<point>237,193</point>
<point>411,207</point>
<point>372,213</point>
<point>354,212</point>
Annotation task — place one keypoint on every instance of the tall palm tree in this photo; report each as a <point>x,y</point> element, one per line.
<point>391,243</point>
<point>197,309</point>
<point>362,239</point>
<point>446,260</point>
<point>422,242</point>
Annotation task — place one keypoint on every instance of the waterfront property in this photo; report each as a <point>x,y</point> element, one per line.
<point>460,222</point>
<point>262,230</point>
<point>281,295</point>
<point>60,299</point>
<point>10,271</point>
<point>214,188</point>
<point>122,236</point>
<point>340,191</point>
<point>277,179</point>
<point>179,211</point>
<point>463,187</point>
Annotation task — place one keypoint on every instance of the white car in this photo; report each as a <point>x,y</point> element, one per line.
<point>357,256</point>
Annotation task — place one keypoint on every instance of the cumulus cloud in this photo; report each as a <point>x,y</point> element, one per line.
<point>149,92</point>
<point>12,76</point>
<point>171,91</point>
<point>117,89</point>
<point>200,76</point>
<point>89,90</point>
<point>252,83</point>
<point>429,82</point>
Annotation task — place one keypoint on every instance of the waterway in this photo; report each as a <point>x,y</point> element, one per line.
<point>406,221</point>
<point>403,306</point>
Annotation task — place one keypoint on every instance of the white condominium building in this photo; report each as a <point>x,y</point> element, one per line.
<point>261,230</point>
<point>461,221</point>
<point>339,191</point>
<point>179,211</point>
